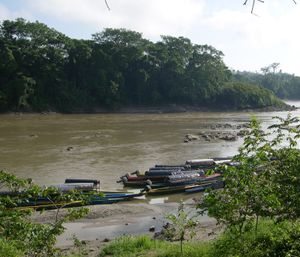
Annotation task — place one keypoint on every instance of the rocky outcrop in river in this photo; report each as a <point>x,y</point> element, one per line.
<point>214,132</point>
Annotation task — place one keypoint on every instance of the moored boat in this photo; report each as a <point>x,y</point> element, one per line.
<point>201,188</point>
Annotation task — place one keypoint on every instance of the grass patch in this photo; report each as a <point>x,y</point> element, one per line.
<point>9,249</point>
<point>128,246</point>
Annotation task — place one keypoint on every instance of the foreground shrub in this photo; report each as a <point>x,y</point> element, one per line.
<point>9,249</point>
<point>270,239</point>
<point>18,232</point>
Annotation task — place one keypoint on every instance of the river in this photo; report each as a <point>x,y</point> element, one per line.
<point>50,148</point>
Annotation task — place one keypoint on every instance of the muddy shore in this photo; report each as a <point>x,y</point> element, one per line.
<point>172,108</point>
<point>107,222</point>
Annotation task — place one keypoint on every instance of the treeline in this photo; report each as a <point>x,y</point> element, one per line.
<point>41,69</point>
<point>284,85</point>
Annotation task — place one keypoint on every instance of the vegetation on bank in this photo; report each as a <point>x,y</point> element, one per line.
<point>270,239</point>
<point>145,246</point>
<point>42,69</point>
<point>243,95</point>
<point>19,235</point>
<point>283,85</point>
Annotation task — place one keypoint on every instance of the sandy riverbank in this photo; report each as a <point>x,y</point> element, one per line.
<point>107,222</point>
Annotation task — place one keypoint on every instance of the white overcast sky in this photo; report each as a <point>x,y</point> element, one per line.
<point>248,41</point>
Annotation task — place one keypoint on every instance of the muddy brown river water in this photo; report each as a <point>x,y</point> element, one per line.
<point>50,148</point>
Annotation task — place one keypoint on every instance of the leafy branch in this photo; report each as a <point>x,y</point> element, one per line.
<point>34,239</point>
<point>265,184</point>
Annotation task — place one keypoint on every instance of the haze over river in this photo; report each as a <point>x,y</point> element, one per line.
<point>50,148</point>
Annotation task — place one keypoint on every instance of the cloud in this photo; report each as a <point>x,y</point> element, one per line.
<point>6,14</point>
<point>254,41</point>
<point>153,17</point>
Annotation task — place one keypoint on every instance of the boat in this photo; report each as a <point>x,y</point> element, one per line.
<point>170,189</point>
<point>201,163</point>
<point>166,190</point>
<point>68,187</point>
<point>201,188</point>
<point>47,205</point>
<point>156,176</point>
<point>105,197</point>
<point>90,194</point>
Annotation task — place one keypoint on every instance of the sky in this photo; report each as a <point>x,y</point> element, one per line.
<point>248,41</point>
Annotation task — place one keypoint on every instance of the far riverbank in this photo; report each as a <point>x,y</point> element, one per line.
<point>172,108</point>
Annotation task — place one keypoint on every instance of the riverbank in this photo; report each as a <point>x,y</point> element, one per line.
<point>105,223</point>
<point>172,108</point>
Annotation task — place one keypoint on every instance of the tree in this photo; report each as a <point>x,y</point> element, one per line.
<point>265,183</point>
<point>45,70</point>
<point>182,224</point>
<point>17,232</point>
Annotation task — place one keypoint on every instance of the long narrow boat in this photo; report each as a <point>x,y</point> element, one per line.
<point>48,205</point>
<point>176,189</point>
<point>106,197</point>
<point>167,190</point>
<point>124,195</point>
<point>157,175</point>
<point>201,188</point>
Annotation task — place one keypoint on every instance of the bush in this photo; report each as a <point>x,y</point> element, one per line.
<point>9,249</point>
<point>242,95</point>
<point>282,239</point>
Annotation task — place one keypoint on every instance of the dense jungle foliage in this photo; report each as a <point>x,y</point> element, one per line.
<point>284,85</point>
<point>41,69</point>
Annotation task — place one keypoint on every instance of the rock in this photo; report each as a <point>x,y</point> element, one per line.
<point>191,137</point>
<point>157,235</point>
<point>152,229</point>
<point>227,125</point>
<point>228,137</point>
<point>212,233</point>
<point>246,125</point>
<point>205,136</point>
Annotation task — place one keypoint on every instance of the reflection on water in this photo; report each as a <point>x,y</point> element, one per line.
<point>50,148</point>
